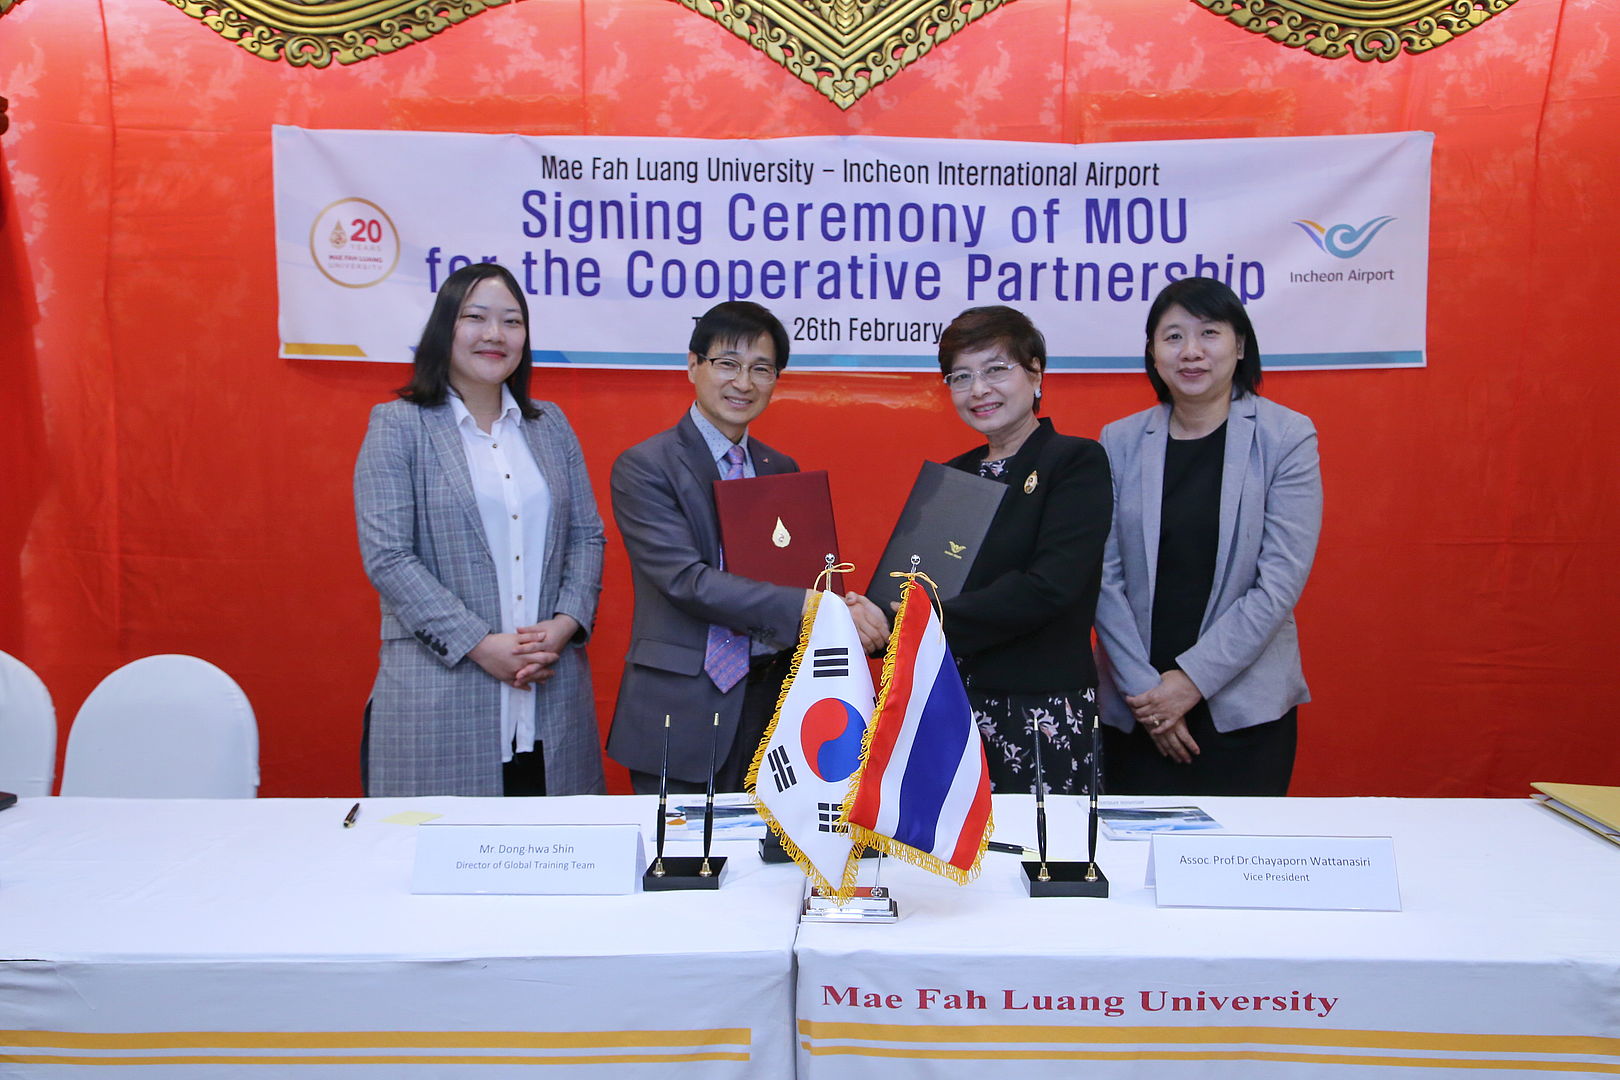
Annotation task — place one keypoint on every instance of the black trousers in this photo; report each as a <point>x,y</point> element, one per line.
<point>760,691</point>
<point>1256,760</point>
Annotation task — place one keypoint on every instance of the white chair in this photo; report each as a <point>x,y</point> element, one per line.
<point>164,727</point>
<point>27,730</point>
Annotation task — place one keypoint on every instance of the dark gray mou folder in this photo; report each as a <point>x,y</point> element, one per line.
<point>943,523</point>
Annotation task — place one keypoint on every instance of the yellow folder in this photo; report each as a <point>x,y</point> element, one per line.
<point>1592,805</point>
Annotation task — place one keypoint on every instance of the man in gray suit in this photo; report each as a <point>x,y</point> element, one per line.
<point>704,641</point>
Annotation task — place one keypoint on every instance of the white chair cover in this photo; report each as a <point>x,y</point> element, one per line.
<point>27,730</point>
<point>164,727</point>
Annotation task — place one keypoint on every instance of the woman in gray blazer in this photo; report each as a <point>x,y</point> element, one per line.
<point>480,532</point>
<point>1217,507</point>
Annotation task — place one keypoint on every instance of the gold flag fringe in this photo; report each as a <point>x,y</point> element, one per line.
<point>865,837</point>
<point>751,781</point>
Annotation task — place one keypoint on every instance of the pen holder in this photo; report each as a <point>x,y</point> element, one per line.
<point>683,872</point>
<point>1065,879</point>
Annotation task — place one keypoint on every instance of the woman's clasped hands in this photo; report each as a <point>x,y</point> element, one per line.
<point>1163,712</point>
<point>528,657</point>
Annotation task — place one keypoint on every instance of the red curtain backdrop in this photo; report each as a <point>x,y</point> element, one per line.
<point>171,485</point>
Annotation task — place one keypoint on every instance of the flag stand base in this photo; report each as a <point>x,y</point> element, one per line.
<point>683,872</point>
<point>1065,879</point>
<point>867,904</point>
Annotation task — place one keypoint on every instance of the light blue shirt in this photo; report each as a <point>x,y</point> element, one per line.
<point>718,444</point>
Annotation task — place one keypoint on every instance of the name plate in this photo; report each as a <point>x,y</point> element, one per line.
<point>552,860</point>
<point>1323,873</point>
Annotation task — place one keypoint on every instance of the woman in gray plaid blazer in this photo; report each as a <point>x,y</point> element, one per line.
<point>477,657</point>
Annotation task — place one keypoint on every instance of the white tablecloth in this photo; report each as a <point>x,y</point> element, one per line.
<point>1504,961</point>
<point>205,939</point>
<point>213,938</point>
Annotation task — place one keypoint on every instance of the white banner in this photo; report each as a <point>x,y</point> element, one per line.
<point>864,246</point>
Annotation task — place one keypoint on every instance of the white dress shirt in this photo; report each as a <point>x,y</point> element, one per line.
<point>514,507</point>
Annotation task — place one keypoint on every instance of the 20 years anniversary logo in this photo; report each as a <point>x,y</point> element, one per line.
<point>354,243</point>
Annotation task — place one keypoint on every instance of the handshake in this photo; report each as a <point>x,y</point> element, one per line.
<point>869,622</point>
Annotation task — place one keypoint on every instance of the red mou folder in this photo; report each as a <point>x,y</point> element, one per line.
<point>778,528</point>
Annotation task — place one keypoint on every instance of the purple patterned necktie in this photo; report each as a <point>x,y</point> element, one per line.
<point>725,658</point>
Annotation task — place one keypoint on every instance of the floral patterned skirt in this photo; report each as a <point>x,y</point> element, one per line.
<point>1009,722</point>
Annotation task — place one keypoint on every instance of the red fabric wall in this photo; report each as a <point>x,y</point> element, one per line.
<point>170,485</point>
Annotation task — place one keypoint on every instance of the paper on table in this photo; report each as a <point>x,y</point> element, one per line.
<point>410,817</point>
<point>734,818</point>
<point>1145,822</point>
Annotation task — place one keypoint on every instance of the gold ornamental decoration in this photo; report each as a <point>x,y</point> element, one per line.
<point>316,32</point>
<point>843,48</point>
<point>1366,29</point>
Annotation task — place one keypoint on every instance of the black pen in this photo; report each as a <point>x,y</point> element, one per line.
<point>352,816</point>
<point>1091,817</point>
<point>1012,849</point>
<point>708,801</point>
<point>1040,811</point>
<point>663,802</point>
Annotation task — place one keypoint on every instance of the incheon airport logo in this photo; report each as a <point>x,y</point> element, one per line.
<point>354,243</point>
<point>1343,241</point>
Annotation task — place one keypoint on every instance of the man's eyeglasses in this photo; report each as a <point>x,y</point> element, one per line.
<point>993,374</point>
<point>729,367</point>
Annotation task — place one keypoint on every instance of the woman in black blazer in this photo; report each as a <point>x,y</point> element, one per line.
<point>1021,628</point>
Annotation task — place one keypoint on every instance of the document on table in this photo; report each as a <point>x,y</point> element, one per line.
<point>1145,822</point>
<point>734,818</point>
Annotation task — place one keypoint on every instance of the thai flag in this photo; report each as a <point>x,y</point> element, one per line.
<point>923,793</point>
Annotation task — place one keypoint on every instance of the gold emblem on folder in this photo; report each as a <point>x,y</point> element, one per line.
<point>953,549</point>
<point>1031,482</point>
<point>780,536</point>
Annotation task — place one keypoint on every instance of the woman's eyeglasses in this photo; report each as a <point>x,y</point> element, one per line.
<point>993,374</point>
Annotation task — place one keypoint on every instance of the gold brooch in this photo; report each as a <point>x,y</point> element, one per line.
<point>1031,482</point>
